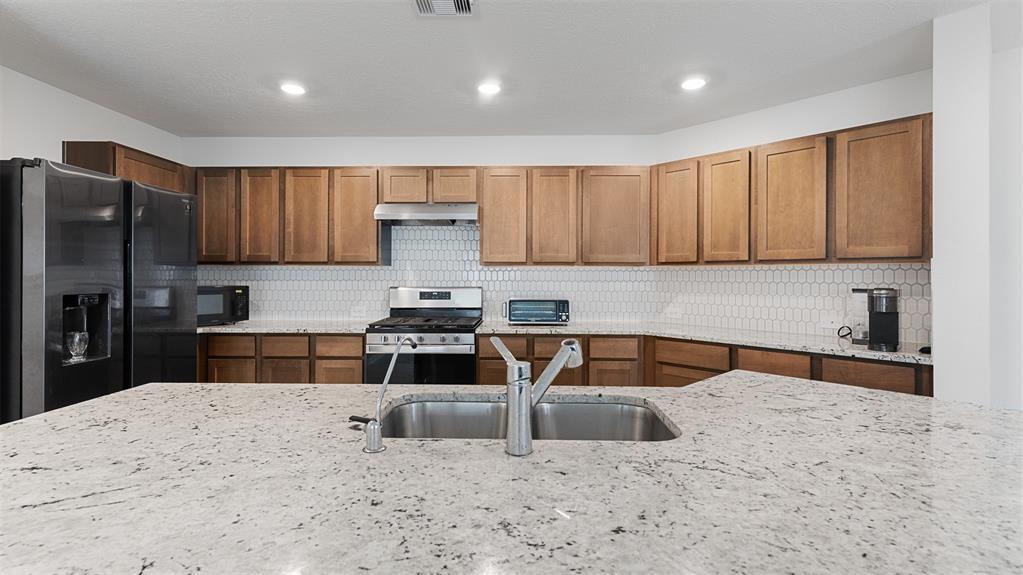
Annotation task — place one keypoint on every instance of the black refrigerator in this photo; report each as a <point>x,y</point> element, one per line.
<point>97,286</point>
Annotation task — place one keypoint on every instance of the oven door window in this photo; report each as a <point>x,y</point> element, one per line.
<point>422,369</point>
<point>524,311</point>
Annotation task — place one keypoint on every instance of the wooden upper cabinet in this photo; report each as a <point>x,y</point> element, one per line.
<point>453,185</point>
<point>555,215</point>
<point>306,203</point>
<point>354,197</point>
<point>791,199</point>
<point>403,185</point>
<point>131,164</point>
<point>726,207</point>
<point>218,211</point>
<point>260,207</point>
<point>677,211</point>
<point>616,215</point>
<point>879,192</point>
<point>503,209</point>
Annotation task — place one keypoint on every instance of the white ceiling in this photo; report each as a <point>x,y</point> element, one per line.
<point>375,68</point>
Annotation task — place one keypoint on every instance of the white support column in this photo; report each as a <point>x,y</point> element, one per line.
<point>961,268</point>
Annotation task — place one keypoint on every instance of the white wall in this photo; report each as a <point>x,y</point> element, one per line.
<point>1006,225</point>
<point>888,99</point>
<point>36,117</point>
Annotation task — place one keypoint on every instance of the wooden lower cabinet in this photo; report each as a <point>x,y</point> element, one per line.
<point>775,362</point>
<point>232,346</point>
<point>886,376</point>
<point>285,346</point>
<point>491,372</point>
<point>707,356</point>
<point>614,373</point>
<point>338,371</point>
<point>667,375</point>
<point>221,370</point>
<point>284,371</point>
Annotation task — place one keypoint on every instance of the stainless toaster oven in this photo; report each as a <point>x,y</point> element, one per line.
<point>538,311</point>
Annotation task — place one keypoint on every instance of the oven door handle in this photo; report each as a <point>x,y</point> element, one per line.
<point>375,349</point>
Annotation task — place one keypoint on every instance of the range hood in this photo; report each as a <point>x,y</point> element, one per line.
<point>426,214</point>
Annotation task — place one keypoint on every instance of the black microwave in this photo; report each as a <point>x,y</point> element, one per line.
<point>217,305</point>
<point>538,311</point>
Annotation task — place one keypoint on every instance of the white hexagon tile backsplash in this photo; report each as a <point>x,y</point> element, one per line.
<point>805,298</point>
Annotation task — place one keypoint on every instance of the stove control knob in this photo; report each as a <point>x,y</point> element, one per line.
<point>457,338</point>
<point>443,339</point>
<point>419,339</point>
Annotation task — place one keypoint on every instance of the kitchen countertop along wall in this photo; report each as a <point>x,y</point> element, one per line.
<point>769,475</point>
<point>828,345</point>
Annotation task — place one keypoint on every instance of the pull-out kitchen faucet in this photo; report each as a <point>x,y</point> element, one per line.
<point>523,395</point>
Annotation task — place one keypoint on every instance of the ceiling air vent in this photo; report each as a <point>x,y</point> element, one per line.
<point>444,7</point>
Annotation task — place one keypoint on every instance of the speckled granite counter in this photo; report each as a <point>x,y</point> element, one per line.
<point>785,341</point>
<point>291,326</point>
<point>770,475</point>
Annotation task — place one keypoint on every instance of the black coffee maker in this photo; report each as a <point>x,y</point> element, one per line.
<point>883,310</point>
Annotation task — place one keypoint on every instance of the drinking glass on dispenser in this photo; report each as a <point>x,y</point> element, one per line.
<point>77,342</point>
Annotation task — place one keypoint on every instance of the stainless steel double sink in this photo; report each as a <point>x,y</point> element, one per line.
<point>612,421</point>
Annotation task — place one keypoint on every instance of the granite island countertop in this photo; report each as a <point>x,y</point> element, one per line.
<point>770,475</point>
<point>806,343</point>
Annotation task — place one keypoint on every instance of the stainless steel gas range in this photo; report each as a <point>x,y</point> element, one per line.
<point>442,321</point>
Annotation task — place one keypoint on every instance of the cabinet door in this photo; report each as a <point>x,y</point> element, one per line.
<point>567,376</point>
<point>284,371</point>
<point>677,211</point>
<point>492,372</point>
<point>260,208</point>
<point>879,194</point>
<point>148,169</point>
<point>889,377</point>
<point>231,371</point>
<point>403,185</point>
<point>667,375</point>
<point>791,199</point>
<point>305,215</point>
<point>355,232</point>
<point>218,213</point>
<point>555,215</point>
<point>726,207</point>
<point>616,215</point>
<point>454,185</point>
<point>339,371</point>
<point>776,362</point>
<point>503,210</point>
<point>613,373</point>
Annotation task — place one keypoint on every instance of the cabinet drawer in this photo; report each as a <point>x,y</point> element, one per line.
<point>547,347</point>
<point>516,345</point>
<point>667,375</point>
<point>703,355</point>
<point>339,371</point>
<point>614,348</point>
<point>284,371</point>
<point>232,345</point>
<point>565,376</point>
<point>231,371</point>
<point>872,375</point>
<point>339,346</point>
<point>285,346</point>
<point>778,363</point>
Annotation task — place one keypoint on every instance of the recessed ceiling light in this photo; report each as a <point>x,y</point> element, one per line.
<point>489,88</point>
<point>292,88</point>
<point>694,83</point>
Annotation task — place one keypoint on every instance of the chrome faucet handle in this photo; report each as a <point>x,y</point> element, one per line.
<point>517,370</point>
